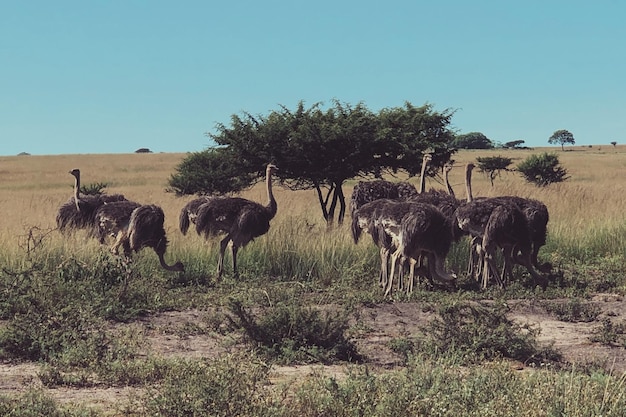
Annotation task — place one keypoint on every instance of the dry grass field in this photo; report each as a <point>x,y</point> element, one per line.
<point>33,187</point>
<point>587,217</point>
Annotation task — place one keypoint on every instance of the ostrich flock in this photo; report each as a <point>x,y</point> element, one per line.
<point>418,227</point>
<point>135,226</point>
<point>413,228</point>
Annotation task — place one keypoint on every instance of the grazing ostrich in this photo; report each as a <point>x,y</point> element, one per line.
<point>242,220</point>
<point>189,213</point>
<point>537,216</point>
<point>135,226</point>
<point>417,229</point>
<point>146,230</point>
<point>496,222</point>
<point>79,211</point>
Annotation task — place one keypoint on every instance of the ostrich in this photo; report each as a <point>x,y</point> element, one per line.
<point>496,222</point>
<point>189,213</point>
<point>240,219</point>
<point>134,227</point>
<point>417,229</point>
<point>367,191</point>
<point>79,211</point>
<point>365,218</point>
<point>537,215</point>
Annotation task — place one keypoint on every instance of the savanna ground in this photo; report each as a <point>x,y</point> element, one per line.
<point>580,316</point>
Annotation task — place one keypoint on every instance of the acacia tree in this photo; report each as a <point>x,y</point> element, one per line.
<point>320,149</point>
<point>493,165</point>
<point>562,137</point>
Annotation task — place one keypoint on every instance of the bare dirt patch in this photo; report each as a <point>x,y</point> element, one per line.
<point>188,334</point>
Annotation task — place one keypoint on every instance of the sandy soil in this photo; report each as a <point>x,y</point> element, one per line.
<point>378,324</point>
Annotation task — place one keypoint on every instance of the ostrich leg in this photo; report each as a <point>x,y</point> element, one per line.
<point>220,261</point>
<point>234,248</point>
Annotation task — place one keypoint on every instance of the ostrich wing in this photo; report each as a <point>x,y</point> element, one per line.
<point>113,217</point>
<point>145,228</point>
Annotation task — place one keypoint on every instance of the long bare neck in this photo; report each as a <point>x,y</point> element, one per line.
<point>446,172</point>
<point>76,190</point>
<point>271,205</point>
<point>423,175</point>
<point>468,183</point>
<point>176,267</point>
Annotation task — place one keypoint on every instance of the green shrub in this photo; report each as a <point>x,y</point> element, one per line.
<point>542,170</point>
<point>230,386</point>
<point>479,332</point>
<point>573,310</point>
<point>295,334</point>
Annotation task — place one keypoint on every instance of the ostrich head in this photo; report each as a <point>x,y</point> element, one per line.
<point>160,248</point>
<point>75,172</point>
<point>271,169</point>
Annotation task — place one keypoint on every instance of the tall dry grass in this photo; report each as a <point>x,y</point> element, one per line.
<point>587,211</point>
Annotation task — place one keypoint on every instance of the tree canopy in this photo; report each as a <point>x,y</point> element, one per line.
<point>514,144</point>
<point>317,148</point>
<point>472,140</point>
<point>493,165</point>
<point>562,137</point>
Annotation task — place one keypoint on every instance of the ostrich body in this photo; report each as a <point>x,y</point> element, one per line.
<point>79,211</point>
<point>537,216</point>
<point>417,229</point>
<point>367,191</point>
<point>240,219</point>
<point>497,222</point>
<point>112,218</point>
<point>134,227</point>
<point>146,230</point>
<point>189,213</point>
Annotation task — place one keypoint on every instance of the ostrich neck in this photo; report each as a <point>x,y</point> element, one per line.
<point>271,206</point>
<point>468,184</point>
<point>447,179</point>
<point>423,176</point>
<point>76,191</point>
<point>164,264</point>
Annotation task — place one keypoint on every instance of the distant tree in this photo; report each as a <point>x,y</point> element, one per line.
<point>143,150</point>
<point>472,140</point>
<point>614,143</point>
<point>561,137</point>
<point>493,165</point>
<point>513,144</point>
<point>542,170</point>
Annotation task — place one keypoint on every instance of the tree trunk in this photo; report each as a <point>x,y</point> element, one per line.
<point>333,196</point>
<point>342,203</point>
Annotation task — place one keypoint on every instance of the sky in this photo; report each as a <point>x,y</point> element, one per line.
<point>91,77</point>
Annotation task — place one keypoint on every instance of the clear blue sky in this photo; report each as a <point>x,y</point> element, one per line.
<point>117,75</point>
